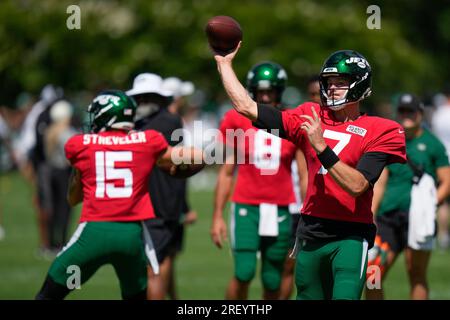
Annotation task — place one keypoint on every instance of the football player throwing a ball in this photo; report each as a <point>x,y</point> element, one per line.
<point>112,165</point>
<point>260,218</point>
<point>345,151</point>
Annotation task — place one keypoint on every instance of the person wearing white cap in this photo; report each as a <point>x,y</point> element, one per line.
<point>149,94</point>
<point>168,194</point>
<point>180,89</point>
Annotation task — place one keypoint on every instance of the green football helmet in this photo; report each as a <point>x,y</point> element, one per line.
<point>351,65</point>
<point>111,109</point>
<point>265,76</point>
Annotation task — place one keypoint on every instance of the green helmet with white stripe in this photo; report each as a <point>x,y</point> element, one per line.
<point>266,75</point>
<point>111,109</point>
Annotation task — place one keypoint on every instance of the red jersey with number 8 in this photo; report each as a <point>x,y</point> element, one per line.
<point>115,167</point>
<point>349,140</point>
<point>264,171</point>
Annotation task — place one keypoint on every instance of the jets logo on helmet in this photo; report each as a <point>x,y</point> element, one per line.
<point>112,109</point>
<point>265,76</point>
<point>351,65</point>
<point>360,62</point>
<point>106,99</point>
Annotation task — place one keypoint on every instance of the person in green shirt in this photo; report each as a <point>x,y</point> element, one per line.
<point>392,199</point>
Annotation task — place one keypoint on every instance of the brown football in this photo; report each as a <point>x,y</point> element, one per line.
<point>224,34</point>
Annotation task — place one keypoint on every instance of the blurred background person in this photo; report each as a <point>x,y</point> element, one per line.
<point>31,157</point>
<point>55,137</point>
<point>440,125</point>
<point>7,156</point>
<point>180,91</point>
<point>5,145</point>
<point>26,140</point>
<point>11,120</point>
<point>405,202</point>
<point>313,89</point>
<point>200,124</point>
<point>168,194</point>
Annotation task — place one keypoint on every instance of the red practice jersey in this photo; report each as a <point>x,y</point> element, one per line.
<point>349,140</point>
<point>115,167</point>
<point>264,162</point>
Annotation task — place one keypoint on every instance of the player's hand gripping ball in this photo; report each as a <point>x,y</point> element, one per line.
<point>224,34</point>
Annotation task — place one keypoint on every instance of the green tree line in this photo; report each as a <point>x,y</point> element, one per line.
<point>119,39</point>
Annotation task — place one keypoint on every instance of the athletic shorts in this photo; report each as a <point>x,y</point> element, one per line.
<point>95,244</point>
<point>393,229</point>
<point>331,269</point>
<point>245,226</point>
<point>247,242</point>
<point>167,237</point>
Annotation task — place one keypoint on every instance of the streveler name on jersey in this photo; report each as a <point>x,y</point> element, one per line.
<point>135,137</point>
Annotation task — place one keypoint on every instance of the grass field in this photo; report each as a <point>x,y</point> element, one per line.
<point>202,270</point>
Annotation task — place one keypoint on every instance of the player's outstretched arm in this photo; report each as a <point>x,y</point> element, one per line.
<point>221,195</point>
<point>236,92</point>
<point>75,191</point>
<point>181,162</point>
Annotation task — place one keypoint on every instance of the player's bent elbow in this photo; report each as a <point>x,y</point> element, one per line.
<point>248,110</point>
<point>359,188</point>
<point>242,110</point>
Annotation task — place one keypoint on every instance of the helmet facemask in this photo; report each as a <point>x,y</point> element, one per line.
<point>349,96</point>
<point>328,95</point>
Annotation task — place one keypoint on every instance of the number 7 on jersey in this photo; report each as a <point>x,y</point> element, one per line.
<point>342,138</point>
